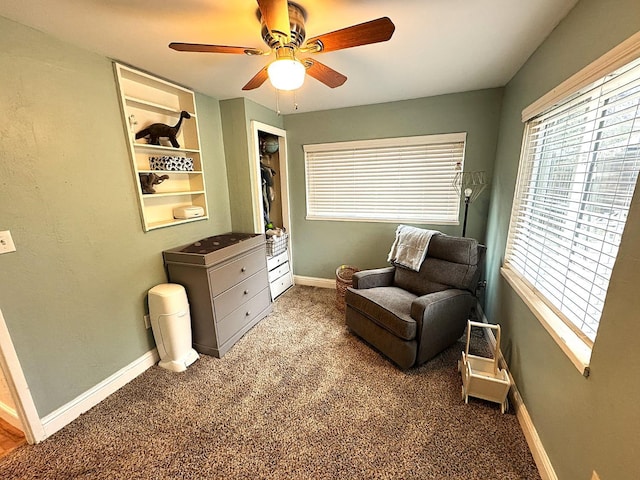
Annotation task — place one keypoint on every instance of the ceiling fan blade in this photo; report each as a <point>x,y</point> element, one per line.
<point>324,74</point>
<point>200,47</point>
<point>374,31</point>
<point>257,80</point>
<point>275,14</point>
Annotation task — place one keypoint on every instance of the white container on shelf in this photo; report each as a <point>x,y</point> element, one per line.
<point>171,325</point>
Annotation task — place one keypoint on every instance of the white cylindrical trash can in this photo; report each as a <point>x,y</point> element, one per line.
<point>171,325</point>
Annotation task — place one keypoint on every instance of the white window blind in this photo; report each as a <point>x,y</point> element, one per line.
<point>578,172</point>
<point>405,179</point>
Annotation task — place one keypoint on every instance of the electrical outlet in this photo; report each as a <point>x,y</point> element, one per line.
<point>595,476</point>
<point>6,242</point>
<point>147,322</point>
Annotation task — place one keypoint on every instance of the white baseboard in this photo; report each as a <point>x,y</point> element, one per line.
<point>314,282</point>
<point>10,416</point>
<point>531,434</point>
<point>89,399</point>
<point>526,423</point>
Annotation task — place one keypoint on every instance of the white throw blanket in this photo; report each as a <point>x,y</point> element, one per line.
<point>410,246</point>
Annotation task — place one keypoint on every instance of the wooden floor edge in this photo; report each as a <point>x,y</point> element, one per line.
<point>10,438</point>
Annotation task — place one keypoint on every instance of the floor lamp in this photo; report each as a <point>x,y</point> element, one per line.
<point>471,184</point>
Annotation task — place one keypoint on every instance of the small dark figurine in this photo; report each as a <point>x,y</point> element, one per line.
<point>157,131</point>
<point>148,180</point>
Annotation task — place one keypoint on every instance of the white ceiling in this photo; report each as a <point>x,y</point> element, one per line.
<point>439,46</point>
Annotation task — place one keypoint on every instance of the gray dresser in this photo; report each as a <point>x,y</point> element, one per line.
<point>227,285</point>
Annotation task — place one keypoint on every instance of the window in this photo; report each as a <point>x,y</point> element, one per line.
<point>578,171</point>
<point>387,180</point>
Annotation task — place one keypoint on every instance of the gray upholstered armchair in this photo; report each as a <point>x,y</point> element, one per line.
<point>412,316</point>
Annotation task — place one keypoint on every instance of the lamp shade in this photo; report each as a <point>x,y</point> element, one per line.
<point>471,184</point>
<point>286,74</point>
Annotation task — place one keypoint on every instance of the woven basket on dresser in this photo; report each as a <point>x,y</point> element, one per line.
<point>343,281</point>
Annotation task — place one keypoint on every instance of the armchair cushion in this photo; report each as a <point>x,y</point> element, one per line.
<point>451,262</point>
<point>388,307</point>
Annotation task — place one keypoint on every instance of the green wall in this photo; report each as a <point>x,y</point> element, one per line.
<point>584,423</point>
<point>237,115</point>
<point>74,293</point>
<point>321,246</point>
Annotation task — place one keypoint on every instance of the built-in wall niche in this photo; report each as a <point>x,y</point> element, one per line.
<point>146,100</point>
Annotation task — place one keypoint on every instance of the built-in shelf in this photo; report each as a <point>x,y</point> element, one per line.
<point>151,106</point>
<point>171,194</point>
<point>163,148</point>
<point>145,100</point>
<point>173,172</point>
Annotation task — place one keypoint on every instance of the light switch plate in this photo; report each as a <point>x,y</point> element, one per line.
<point>6,242</point>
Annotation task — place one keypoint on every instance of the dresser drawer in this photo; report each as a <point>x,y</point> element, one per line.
<point>222,278</point>
<point>273,262</point>
<point>227,302</point>
<point>279,285</point>
<point>241,316</point>
<point>278,271</point>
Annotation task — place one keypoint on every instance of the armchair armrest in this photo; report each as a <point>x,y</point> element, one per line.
<point>441,318</point>
<point>437,303</point>
<point>379,277</point>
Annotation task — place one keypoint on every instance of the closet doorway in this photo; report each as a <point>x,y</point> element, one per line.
<point>269,173</point>
<point>270,192</point>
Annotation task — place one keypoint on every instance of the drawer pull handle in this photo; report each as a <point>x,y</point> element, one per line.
<point>247,314</point>
<point>243,269</point>
<point>246,292</point>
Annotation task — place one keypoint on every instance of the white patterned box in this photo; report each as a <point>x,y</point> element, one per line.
<point>167,163</point>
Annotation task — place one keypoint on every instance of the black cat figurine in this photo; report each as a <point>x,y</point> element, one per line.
<point>159,130</point>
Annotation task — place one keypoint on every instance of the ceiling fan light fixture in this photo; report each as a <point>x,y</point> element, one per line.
<point>283,31</point>
<point>286,74</point>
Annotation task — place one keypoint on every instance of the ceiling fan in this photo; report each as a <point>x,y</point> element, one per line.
<point>284,33</point>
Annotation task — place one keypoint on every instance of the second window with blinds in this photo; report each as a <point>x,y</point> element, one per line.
<point>406,179</point>
<point>578,172</point>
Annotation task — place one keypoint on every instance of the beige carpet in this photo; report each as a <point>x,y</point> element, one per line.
<point>298,397</point>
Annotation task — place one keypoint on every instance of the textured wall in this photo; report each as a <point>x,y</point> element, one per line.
<point>74,293</point>
<point>237,115</point>
<point>584,424</point>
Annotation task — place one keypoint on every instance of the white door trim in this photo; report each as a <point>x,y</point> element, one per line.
<point>25,408</point>
<point>256,187</point>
